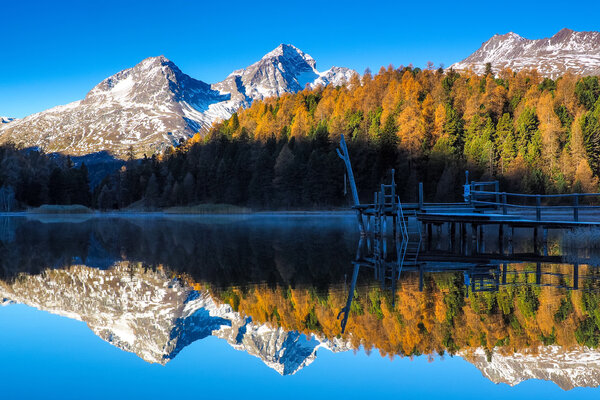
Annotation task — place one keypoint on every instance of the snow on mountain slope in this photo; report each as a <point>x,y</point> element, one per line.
<point>286,69</point>
<point>571,368</point>
<point>151,314</point>
<point>154,105</point>
<point>144,106</point>
<point>566,51</point>
<point>6,120</point>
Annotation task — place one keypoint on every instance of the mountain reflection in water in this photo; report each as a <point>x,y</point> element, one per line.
<point>274,287</point>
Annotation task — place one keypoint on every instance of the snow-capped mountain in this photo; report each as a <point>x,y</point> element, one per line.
<point>283,70</point>
<point>151,314</point>
<point>566,51</point>
<point>154,105</point>
<point>6,120</point>
<point>579,367</point>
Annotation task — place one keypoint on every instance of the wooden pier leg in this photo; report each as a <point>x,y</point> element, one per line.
<point>511,247</point>
<point>545,240</point>
<point>463,237</point>
<point>535,239</point>
<point>538,273</point>
<point>501,238</point>
<point>395,226</point>
<point>429,235</point>
<point>504,268</point>
<point>475,236</point>
<point>576,276</point>
<point>481,247</point>
<point>452,236</point>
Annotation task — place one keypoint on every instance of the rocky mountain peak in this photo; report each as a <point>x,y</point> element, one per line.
<point>155,80</point>
<point>290,53</point>
<point>564,32</point>
<point>507,36</point>
<point>566,51</point>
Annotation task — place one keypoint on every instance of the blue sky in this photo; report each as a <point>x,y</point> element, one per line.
<point>54,52</point>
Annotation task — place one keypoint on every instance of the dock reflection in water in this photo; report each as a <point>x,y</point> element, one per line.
<point>274,287</point>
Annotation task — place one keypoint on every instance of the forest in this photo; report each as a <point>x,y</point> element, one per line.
<point>534,134</point>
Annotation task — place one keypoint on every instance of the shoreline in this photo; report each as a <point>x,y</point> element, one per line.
<point>102,214</point>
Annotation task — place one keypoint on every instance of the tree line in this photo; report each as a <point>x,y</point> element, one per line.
<point>30,178</point>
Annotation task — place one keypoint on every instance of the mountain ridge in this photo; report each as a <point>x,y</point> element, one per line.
<point>154,105</point>
<point>567,368</point>
<point>566,51</point>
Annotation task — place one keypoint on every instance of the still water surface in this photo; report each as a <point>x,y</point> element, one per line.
<point>250,306</point>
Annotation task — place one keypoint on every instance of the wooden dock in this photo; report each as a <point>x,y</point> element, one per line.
<point>484,205</point>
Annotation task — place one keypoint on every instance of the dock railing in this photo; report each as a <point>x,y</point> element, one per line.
<point>542,203</point>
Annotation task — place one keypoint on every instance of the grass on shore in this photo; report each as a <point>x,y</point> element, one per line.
<point>61,209</point>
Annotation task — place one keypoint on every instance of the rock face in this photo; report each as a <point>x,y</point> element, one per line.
<point>148,313</point>
<point>567,368</point>
<point>566,51</point>
<point>284,70</point>
<point>154,105</point>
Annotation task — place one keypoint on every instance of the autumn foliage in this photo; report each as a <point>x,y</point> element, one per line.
<point>446,317</point>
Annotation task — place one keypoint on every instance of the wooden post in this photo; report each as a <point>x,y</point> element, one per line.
<point>452,235</point>
<point>504,267</point>
<point>497,189</point>
<point>538,208</point>
<point>345,156</point>
<point>429,235</point>
<point>545,240</point>
<point>501,238</point>
<point>420,196</point>
<point>463,237</point>
<point>535,239</point>
<point>576,276</point>
<point>538,273</point>
<point>504,210</point>
<point>475,237</point>
<point>576,208</point>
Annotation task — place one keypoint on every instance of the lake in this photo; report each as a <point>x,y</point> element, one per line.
<point>286,306</point>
